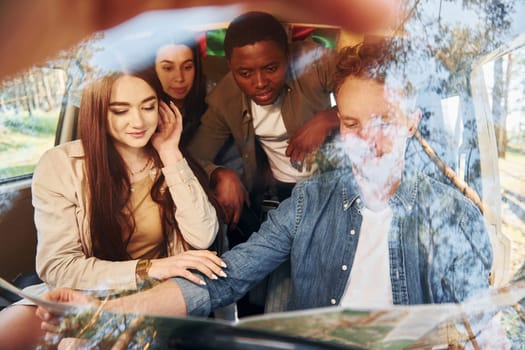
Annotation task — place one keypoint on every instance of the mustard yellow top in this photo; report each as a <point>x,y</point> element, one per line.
<point>147,240</point>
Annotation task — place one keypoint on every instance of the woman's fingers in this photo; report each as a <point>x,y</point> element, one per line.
<point>55,326</point>
<point>192,277</point>
<point>169,114</point>
<point>206,267</point>
<point>169,128</point>
<point>165,114</point>
<point>206,262</point>
<point>208,255</point>
<point>43,314</point>
<point>50,327</point>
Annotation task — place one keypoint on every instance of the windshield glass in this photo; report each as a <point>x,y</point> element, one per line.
<point>459,63</point>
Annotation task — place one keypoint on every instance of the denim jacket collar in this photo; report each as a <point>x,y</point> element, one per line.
<point>350,191</point>
<point>406,194</point>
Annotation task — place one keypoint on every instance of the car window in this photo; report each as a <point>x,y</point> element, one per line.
<point>30,106</point>
<point>499,90</point>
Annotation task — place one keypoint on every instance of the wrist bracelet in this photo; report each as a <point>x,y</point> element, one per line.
<point>141,271</point>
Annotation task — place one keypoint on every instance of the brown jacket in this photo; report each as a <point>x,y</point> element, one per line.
<point>307,91</point>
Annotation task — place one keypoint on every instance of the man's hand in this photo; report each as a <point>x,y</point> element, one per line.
<point>59,325</point>
<point>64,295</point>
<point>230,193</point>
<point>303,144</point>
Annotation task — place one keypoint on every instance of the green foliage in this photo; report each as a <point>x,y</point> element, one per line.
<point>23,139</point>
<point>34,124</point>
<point>15,171</point>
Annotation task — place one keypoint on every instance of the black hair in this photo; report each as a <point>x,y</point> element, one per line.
<point>194,104</point>
<point>252,27</point>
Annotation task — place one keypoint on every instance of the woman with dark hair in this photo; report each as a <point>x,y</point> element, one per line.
<point>121,206</point>
<point>178,66</point>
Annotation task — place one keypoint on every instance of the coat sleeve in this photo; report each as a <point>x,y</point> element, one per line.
<point>212,134</point>
<point>63,258</point>
<point>249,262</point>
<point>195,214</point>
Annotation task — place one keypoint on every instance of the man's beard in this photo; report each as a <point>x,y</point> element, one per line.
<point>377,175</point>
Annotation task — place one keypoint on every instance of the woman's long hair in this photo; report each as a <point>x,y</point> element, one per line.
<point>194,104</point>
<point>110,222</point>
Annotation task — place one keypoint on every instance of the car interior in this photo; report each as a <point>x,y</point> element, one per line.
<point>473,56</point>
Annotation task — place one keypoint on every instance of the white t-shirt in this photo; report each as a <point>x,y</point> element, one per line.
<point>269,128</point>
<point>369,283</point>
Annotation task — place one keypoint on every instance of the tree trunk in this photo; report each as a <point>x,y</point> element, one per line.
<point>33,90</point>
<point>497,105</point>
<point>508,77</point>
<point>48,97</point>
<point>25,96</point>
<point>3,106</point>
<point>19,96</point>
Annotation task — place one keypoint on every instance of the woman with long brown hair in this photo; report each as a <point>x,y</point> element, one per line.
<point>120,206</point>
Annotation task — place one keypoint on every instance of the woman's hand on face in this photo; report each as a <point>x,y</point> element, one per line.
<point>166,139</point>
<point>204,261</point>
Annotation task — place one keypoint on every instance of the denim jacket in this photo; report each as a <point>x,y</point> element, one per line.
<point>439,248</point>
